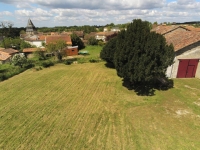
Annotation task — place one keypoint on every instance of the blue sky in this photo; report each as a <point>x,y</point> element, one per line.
<point>78,12</point>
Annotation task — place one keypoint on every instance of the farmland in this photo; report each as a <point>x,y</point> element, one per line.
<point>85,106</point>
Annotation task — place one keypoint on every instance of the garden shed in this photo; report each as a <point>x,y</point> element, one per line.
<point>71,50</point>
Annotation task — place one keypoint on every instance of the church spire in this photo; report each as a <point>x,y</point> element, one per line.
<point>30,28</point>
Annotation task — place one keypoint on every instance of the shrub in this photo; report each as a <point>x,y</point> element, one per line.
<point>93,60</point>
<point>68,62</point>
<point>10,71</point>
<point>46,64</point>
<point>37,68</point>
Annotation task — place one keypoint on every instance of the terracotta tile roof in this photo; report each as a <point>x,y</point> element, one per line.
<point>179,38</point>
<point>41,37</point>
<point>54,38</point>
<point>163,29</point>
<point>4,56</point>
<point>68,33</point>
<point>182,39</point>
<point>105,33</point>
<point>31,50</point>
<point>192,28</point>
<point>9,51</point>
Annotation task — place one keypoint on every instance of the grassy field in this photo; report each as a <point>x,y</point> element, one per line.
<point>85,106</point>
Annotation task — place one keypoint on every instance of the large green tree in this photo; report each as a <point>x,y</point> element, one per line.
<point>92,41</point>
<point>5,31</point>
<point>15,43</point>
<point>108,51</point>
<point>57,48</point>
<point>142,56</point>
<point>76,41</point>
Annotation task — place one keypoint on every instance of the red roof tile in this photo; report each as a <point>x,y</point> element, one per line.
<point>178,37</point>
<point>4,56</point>
<point>31,50</point>
<point>182,39</point>
<point>54,38</point>
<point>9,51</point>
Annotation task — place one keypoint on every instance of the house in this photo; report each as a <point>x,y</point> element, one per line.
<point>7,54</point>
<point>105,29</point>
<point>35,40</point>
<point>115,29</point>
<point>54,38</point>
<point>30,51</point>
<point>187,51</point>
<point>105,36</point>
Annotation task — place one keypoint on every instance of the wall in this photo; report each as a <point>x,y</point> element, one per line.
<point>37,43</point>
<point>189,52</point>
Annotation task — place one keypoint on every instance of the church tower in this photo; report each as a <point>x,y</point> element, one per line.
<point>30,28</point>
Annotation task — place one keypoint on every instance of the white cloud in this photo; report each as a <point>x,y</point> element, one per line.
<point>5,13</point>
<point>96,12</point>
<point>94,4</point>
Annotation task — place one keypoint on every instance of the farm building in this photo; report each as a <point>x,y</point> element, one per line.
<point>186,44</point>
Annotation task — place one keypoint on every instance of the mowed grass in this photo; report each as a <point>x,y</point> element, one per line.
<point>85,106</point>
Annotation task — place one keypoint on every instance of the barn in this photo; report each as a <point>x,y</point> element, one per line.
<point>187,51</point>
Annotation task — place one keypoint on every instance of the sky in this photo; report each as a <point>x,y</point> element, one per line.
<point>51,13</point>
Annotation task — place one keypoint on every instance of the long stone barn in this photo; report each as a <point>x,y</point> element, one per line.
<point>186,44</point>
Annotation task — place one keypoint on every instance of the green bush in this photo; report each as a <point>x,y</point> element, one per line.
<point>37,68</point>
<point>68,62</point>
<point>46,64</point>
<point>93,60</point>
<point>8,71</point>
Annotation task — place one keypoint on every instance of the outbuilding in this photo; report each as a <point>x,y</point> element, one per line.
<point>187,51</point>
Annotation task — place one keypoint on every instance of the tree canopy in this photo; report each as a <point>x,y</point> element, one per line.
<point>76,41</point>
<point>108,51</point>
<point>140,56</point>
<point>57,48</point>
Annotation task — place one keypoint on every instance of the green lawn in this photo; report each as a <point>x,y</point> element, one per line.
<point>85,106</point>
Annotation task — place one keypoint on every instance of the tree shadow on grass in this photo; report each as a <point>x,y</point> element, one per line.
<point>148,89</point>
<point>110,65</point>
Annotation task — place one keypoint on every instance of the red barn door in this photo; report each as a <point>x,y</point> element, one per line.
<point>187,68</point>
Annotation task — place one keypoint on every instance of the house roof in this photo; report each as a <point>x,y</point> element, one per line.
<point>179,38</point>
<point>9,51</point>
<point>41,37</point>
<point>4,56</point>
<point>105,33</point>
<point>192,28</point>
<point>163,29</point>
<point>182,39</point>
<point>53,38</point>
<point>31,50</point>
<point>64,32</point>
